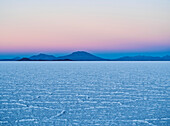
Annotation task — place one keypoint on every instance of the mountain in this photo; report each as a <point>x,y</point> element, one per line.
<point>143,58</point>
<point>75,56</point>
<point>28,59</point>
<point>166,58</point>
<point>82,56</point>
<point>13,59</point>
<point>25,59</point>
<point>16,58</point>
<point>85,56</point>
<point>43,57</point>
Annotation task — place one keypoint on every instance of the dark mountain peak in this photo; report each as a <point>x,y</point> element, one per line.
<point>24,59</point>
<point>81,53</point>
<point>81,56</point>
<point>42,56</point>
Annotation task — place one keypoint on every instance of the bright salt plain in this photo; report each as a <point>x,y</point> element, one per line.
<point>84,93</point>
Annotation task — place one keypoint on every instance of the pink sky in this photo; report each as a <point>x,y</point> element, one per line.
<point>27,26</point>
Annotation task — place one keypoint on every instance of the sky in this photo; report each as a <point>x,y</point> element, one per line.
<point>107,28</point>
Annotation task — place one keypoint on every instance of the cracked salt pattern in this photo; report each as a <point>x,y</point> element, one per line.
<point>85,93</point>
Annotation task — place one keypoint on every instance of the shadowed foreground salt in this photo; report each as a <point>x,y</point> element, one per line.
<point>84,93</point>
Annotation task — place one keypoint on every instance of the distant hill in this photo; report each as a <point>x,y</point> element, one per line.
<point>25,59</point>
<point>166,58</point>
<point>82,56</point>
<point>75,56</point>
<point>143,58</point>
<point>28,59</point>
<point>42,56</point>
<point>13,59</point>
<point>16,58</point>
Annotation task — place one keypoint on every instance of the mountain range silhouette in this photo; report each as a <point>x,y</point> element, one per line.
<point>85,56</point>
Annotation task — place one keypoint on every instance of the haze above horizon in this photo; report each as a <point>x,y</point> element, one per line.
<point>109,28</point>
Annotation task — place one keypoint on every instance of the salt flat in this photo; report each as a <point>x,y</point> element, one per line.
<point>85,93</point>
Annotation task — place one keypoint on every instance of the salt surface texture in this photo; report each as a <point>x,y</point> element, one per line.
<point>85,93</point>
